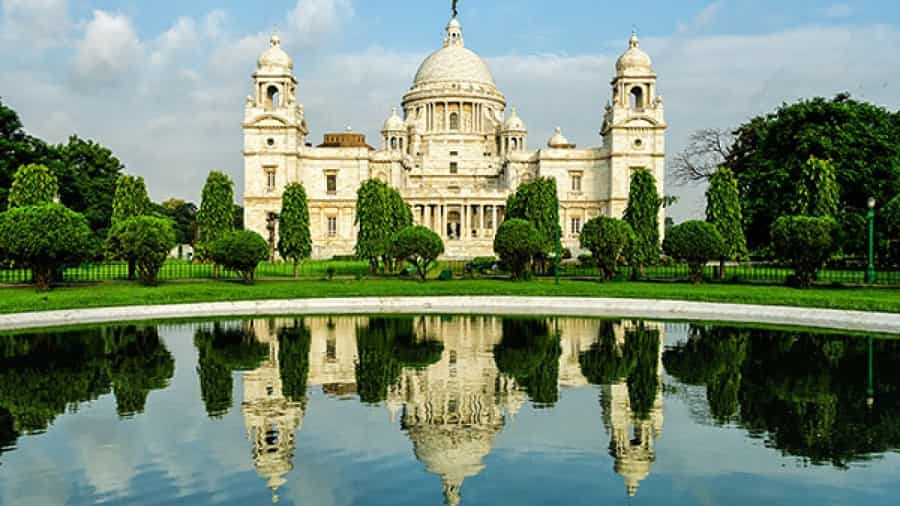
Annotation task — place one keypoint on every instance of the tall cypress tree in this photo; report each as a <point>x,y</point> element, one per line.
<point>642,214</point>
<point>216,215</point>
<point>538,203</point>
<point>380,213</point>
<point>130,200</point>
<point>818,193</point>
<point>33,185</point>
<point>723,210</point>
<point>294,240</point>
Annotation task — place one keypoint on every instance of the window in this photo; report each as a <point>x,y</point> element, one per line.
<point>576,226</point>
<point>454,168</point>
<point>637,98</point>
<point>272,99</point>
<point>331,183</point>
<point>454,153</point>
<point>576,182</point>
<point>332,226</point>
<point>454,121</point>
<point>331,350</point>
<point>270,180</point>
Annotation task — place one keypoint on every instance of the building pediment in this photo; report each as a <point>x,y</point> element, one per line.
<point>266,120</point>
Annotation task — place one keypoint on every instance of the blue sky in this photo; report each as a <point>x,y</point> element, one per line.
<point>162,82</point>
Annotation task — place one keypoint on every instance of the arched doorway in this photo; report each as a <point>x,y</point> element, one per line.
<point>454,222</point>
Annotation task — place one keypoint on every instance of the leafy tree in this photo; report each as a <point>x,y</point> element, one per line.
<point>130,201</point>
<point>419,246</point>
<point>538,203</point>
<point>642,213</point>
<point>240,251</point>
<point>817,191</point>
<point>695,242</point>
<point>140,365</point>
<point>216,216</point>
<point>294,241</point>
<point>87,174</point>
<point>516,243</point>
<point>605,362</point>
<point>529,353</point>
<point>804,242</point>
<point>642,345</point>
<point>723,210</point>
<point>222,350</point>
<point>145,240</point>
<point>44,238</point>
<point>890,216</point>
<point>184,215</point>
<point>17,149</point>
<point>293,360</point>
<point>380,212</point>
<point>608,240</point>
<point>33,185</point>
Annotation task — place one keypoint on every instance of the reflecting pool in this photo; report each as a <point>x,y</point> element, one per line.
<point>447,410</point>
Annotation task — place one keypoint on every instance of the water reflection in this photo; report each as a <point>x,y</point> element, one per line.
<point>453,386</point>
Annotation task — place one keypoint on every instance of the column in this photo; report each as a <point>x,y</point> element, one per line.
<point>446,116</point>
<point>443,221</point>
<point>465,228</point>
<point>494,220</point>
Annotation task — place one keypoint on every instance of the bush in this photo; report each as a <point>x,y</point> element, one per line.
<point>44,238</point>
<point>446,275</point>
<point>145,239</point>
<point>586,261</point>
<point>804,242</point>
<point>695,242</point>
<point>482,265</point>
<point>240,251</point>
<point>608,240</point>
<point>516,243</point>
<point>419,246</point>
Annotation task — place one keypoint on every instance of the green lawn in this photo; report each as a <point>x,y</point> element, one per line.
<point>13,300</point>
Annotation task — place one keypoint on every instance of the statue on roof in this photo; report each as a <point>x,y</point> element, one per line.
<point>455,8</point>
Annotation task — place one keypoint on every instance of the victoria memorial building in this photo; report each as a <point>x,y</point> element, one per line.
<point>453,150</point>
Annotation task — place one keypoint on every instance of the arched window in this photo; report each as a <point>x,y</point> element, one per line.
<point>272,98</point>
<point>393,143</point>
<point>454,121</point>
<point>515,144</point>
<point>637,98</point>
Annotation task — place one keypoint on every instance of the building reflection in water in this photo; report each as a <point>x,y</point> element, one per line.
<point>453,402</point>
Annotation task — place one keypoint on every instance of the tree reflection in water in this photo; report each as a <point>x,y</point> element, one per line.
<point>529,353</point>
<point>805,393</point>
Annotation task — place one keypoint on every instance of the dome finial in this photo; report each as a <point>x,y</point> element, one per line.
<point>455,8</point>
<point>454,30</point>
<point>275,40</point>
<point>634,42</point>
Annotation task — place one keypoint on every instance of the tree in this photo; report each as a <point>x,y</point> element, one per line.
<point>240,251</point>
<point>642,213</point>
<point>130,201</point>
<point>529,353</point>
<point>419,246</point>
<point>144,240</point>
<point>17,149</point>
<point>44,238</point>
<point>723,210</point>
<point>538,203</point>
<point>184,216</point>
<point>222,349</point>
<point>817,191</point>
<point>706,151</point>
<point>380,212</point>
<point>516,243</point>
<point>608,240</point>
<point>293,360</point>
<point>695,242</point>
<point>890,217</point>
<point>294,241</point>
<point>33,185</point>
<point>216,216</point>
<point>806,243</point>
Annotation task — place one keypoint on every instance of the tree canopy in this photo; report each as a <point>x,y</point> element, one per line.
<point>216,216</point>
<point>642,213</point>
<point>294,240</point>
<point>33,185</point>
<point>380,213</point>
<point>537,202</point>
<point>130,200</point>
<point>723,210</point>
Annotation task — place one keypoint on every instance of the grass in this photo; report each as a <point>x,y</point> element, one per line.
<point>17,300</point>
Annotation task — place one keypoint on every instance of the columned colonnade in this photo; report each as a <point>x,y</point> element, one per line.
<point>459,220</point>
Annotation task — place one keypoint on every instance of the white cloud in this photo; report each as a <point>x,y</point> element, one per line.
<point>109,49</point>
<point>183,35</point>
<point>214,23</point>
<point>312,19</point>
<point>703,19</point>
<point>40,23</point>
<point>837,11</point>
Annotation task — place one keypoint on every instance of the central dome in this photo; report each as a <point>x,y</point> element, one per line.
<point>454,63</point>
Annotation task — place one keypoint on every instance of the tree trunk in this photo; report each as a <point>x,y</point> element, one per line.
<point>296,268</point>
<point>131,269</point>
<point>42,275</point>
<point>722,268</point>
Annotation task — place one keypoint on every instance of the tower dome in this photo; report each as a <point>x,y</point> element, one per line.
<point>275,59</point>
<point>394,123</point>
<point>558,140</point>
<point>634,62</point>
<point>453,62</point>
<point>514,123</point>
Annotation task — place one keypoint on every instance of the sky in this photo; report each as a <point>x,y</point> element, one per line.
<point>162,83</point>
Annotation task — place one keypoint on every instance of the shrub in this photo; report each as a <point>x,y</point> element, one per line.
<point>586,260</point>
<point>445,275</point>
<point>240,251</point>
<point>44,238</point>
<point>516,243</point>
<point>482,265</point>
<point>419,246</point>
<point>145,239</point>
<point>608,240</point>
<point>804,242</point>
<point>330,272</point>
<point>695,242</point>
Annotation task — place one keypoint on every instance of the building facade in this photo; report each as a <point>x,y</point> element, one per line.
<point>452,150</point>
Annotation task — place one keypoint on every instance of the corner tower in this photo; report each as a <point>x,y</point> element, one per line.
<point>634,126</point>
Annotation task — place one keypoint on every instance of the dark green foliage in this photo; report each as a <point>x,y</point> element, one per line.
<point>537,202</point>
<point>805,243</point>
<point>482,265</point>
<point>223,350</point>
<point>817,192</point>
<point>516,243</point>
<point>608,240</point>
<point>642,213</point>
<point>184,216</point>
<point>294,240</point>
<point>695,242</point>
<point>33,185</point>
<point>380,212</point>
<point>293,360</point>
<point>43,375</point>
<point>605,363</point>
<point>145,240</point>
<point>419,246</point>
<point>240,251</point>
<point>723,210</point>
<point>889,235</point>
<point>216,216</point>
<point>529,353</point>
<point>43,238</point>
<point>771,154</point>
<point>17,149</point>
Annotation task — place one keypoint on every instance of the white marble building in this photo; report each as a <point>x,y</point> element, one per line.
<point>453,151</point>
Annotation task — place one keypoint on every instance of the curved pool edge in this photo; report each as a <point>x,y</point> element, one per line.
<point>860,321</point>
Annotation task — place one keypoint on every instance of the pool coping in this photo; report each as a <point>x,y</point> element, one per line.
<point>469,305</point>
